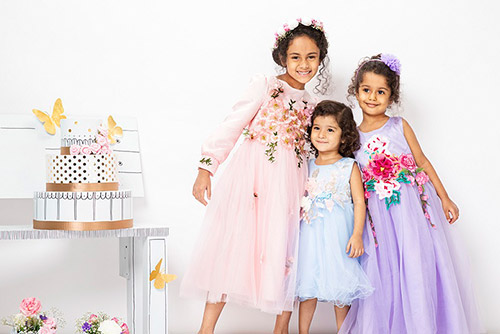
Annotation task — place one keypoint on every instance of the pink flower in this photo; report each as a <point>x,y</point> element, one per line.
<point>50,323</point>
<point>424,197</point>
<point>93,318</point>
<point>124,328</point>
<point>115,319</point>
<point>105,150</point>
<point>101,140</point>
<point>74,150</point>
<point>427,215</point>
<point>367,194</point>
<point>95,148</point>
<point>381,167</point>
<point>411,179</point>
<point>366,174</point>
<point>420,190</point>
<point>86,150</point>
<point>47,330</point>
<point>422,178</point>
<point>102,131</point>
<point>30,306</point>
<point>408,162</point>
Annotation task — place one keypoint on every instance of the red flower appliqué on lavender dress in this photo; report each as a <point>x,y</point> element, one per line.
<point>386,172</point>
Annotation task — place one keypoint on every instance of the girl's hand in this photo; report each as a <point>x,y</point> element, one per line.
<point>355,244</point>
<point>450,210</point>
<point>201,185</point>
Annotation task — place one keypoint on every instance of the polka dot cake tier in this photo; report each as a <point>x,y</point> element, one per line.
<point>82,189</point>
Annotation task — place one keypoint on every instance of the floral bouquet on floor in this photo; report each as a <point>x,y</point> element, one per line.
<point>100,323</point>
<point>32,320</point>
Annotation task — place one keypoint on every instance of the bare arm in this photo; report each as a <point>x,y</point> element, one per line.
<point>450,208</point>
<point>355,243</point>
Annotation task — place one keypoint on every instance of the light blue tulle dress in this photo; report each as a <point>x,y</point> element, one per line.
<point>325,271</point>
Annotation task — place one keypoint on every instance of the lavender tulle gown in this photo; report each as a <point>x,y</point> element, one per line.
<point>413,259</point>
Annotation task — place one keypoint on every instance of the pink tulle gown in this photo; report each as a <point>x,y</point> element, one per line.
<point>246,253</point>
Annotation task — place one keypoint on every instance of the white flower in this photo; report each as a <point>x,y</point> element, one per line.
<point>385,189</point>
<point>293,24</point>
<point>377,144</point>
<point>19,319</point>
<point>281,32</point>
<point>306,21</point>
<point>305,203</point>
<point>109,327</point>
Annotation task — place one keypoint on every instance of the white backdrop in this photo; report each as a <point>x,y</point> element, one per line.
<point>178,66</point>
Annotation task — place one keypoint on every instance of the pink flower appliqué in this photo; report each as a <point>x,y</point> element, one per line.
<point>381,167</point>
<point>408,162</point>
<point>421,178</point>
<point>30,306</point>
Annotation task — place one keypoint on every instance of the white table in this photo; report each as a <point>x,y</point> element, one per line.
<point>140,250</point>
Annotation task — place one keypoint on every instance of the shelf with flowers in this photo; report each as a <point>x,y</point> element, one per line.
<point>32,320</point>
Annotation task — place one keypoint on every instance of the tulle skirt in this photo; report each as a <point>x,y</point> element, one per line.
<point>246,253</point>
<point>420,273</point>
<point>325,271</point>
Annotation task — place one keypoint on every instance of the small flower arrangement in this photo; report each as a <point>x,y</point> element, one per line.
<point>101,145</point>
<point>100,323</point>
<point>32,320</point>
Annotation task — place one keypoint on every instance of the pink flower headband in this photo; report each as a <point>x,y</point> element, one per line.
<point>389,60</point>
<point>287,27</point>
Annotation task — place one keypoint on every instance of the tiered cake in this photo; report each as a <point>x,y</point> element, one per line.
<point>82,183</point>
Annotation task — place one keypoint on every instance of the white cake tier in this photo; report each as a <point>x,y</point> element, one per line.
<point>78,131</point>
<point>100,206</point>
<point>65,169</point>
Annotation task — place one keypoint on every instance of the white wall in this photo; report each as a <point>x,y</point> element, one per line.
<point>178,67</point>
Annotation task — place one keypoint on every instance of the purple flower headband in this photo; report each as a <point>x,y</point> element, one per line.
<point>287,27</point>
<point>389,60</point>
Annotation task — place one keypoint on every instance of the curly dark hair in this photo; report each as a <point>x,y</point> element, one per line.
<point>318,36</point>
<point>349,140</point>
<point>374,65</point>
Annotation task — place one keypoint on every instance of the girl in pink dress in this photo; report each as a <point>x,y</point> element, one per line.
<point>247,250</point>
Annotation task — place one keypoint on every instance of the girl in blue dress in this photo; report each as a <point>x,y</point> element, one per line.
<point>333,215</point>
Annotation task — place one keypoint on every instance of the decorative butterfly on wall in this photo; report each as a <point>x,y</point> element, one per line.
<point>50,122</point>
<point>113,130</point>
<point>160,278</point>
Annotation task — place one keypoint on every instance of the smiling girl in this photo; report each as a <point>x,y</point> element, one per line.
<point>333,218</point>
<point>421,280</point>
<point>247,251</point>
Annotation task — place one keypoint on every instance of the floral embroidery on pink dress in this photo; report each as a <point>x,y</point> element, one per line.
<point>280,122</point>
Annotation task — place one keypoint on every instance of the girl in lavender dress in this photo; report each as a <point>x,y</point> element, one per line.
<point>247,251</point>
<point>412,258</point>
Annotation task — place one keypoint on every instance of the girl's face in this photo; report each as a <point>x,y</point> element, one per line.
<point>326,134</point>
<point>302,61</point>
<point>374,95</point>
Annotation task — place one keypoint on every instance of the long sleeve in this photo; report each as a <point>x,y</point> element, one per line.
<point>220,143</point>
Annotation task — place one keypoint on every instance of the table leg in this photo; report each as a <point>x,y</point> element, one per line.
<point>147,306</point>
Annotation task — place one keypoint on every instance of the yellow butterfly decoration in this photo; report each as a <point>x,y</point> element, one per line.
<point>50,122</point>
<point>160,278</point>
<point>113,130</point>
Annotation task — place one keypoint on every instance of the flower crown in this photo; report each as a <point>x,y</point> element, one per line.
<point>389,60</point>
<point>287,27</point>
